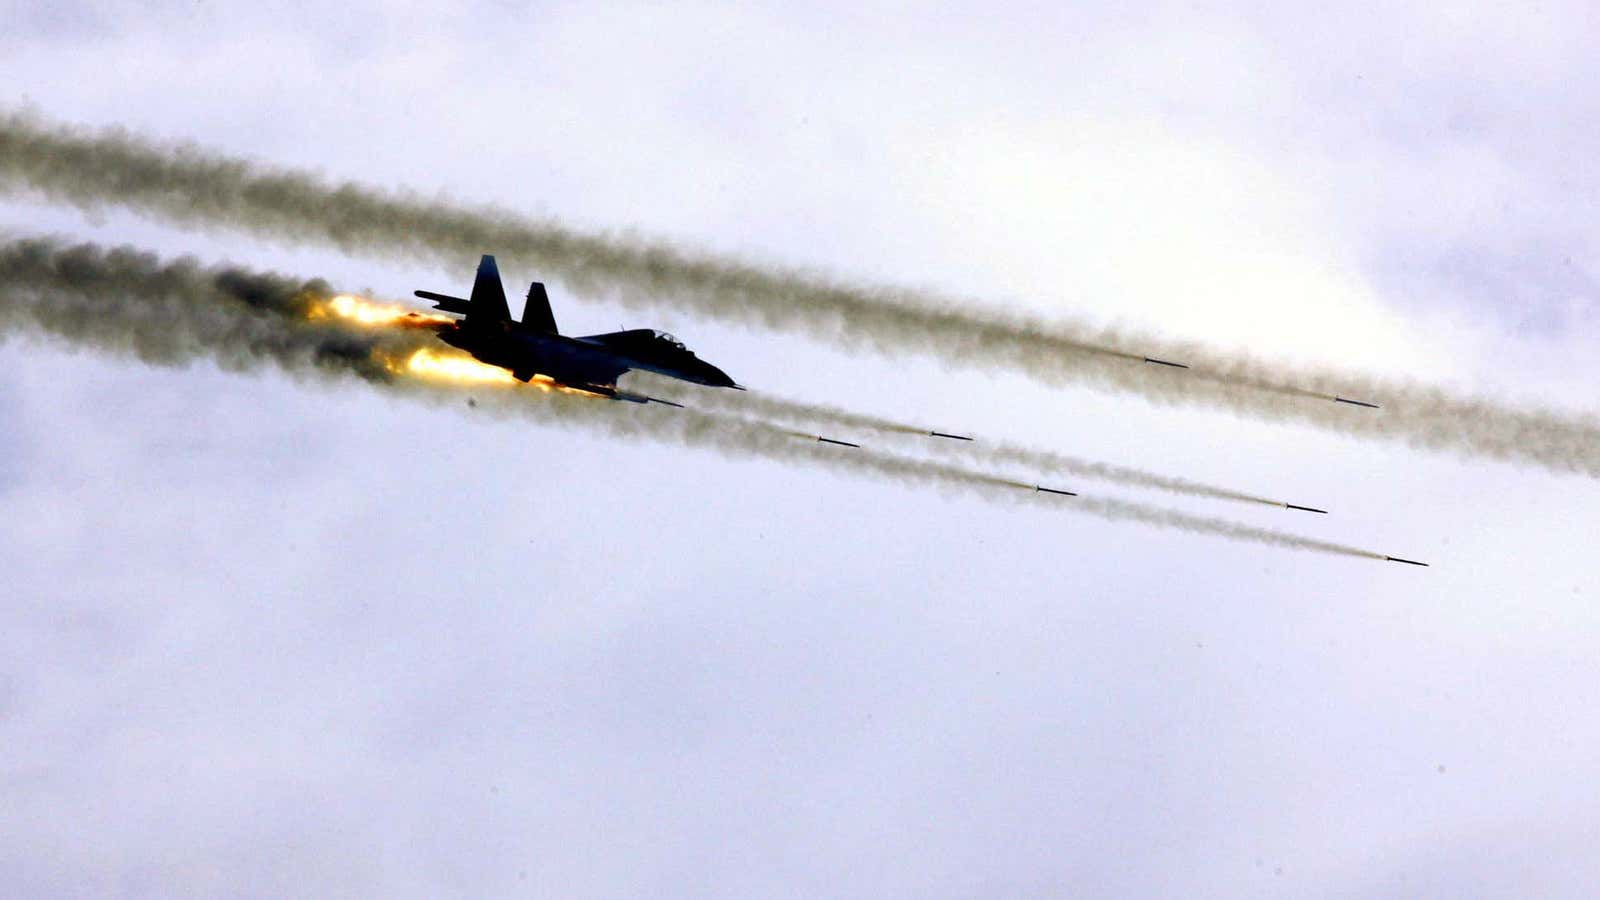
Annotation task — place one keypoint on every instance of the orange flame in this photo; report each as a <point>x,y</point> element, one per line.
<point>459,368</point>
<point>362,311</point>
<point>454,367</point>
<point>438,365</point>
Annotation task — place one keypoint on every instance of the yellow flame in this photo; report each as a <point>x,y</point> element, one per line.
<point>362,311</point>
<point>455,367</point>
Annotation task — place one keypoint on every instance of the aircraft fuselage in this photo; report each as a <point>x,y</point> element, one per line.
<point>534,346</point>
<point>593,361</point>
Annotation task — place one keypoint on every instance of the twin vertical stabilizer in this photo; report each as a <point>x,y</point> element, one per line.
<point>488,301</point>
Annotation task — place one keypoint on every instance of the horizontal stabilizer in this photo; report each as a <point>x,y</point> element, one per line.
<point>445,302</point>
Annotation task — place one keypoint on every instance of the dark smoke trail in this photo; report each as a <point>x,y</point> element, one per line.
<point>191,187</point>
<point>126,302</point>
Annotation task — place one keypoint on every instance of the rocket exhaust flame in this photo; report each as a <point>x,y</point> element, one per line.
<point>455,367</point>
<point>363,311</point>
<point>452,367</point>
<point>125,302</point>
<point>435,364</point>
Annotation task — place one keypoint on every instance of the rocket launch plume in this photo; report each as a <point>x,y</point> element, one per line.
<point>191,187</point>
<point>127,302</point>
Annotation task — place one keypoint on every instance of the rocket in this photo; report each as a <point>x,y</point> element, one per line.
<point>1356,402</point>
<point>1162,362</point>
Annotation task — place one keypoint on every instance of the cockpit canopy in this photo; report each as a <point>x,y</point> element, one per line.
<point>641,340</point>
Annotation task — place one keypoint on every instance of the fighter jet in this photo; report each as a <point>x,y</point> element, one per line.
<point>533,346</point>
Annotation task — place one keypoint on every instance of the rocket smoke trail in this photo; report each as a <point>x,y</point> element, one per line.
<point>126,302</point>
<point>188,186</point>
<point>191,187</point>
<point>784,410</point>
<point>171,336</point>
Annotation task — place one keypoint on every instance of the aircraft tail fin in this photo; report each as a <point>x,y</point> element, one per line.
<point>536,312</point>
<point>488,300</point>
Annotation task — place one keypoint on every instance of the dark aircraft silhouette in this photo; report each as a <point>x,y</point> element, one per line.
<point>534,346</point>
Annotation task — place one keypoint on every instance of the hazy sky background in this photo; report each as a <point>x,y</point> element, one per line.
<point>263,637</point>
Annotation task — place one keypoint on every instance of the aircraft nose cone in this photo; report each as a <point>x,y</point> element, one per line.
<point>715,377</point>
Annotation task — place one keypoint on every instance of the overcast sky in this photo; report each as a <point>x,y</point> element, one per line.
<point>264,637</point>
